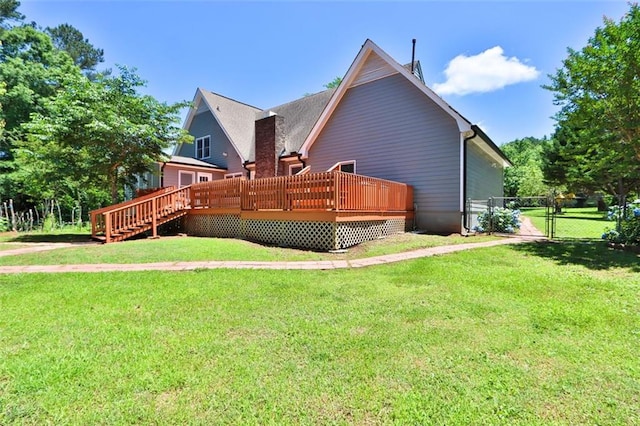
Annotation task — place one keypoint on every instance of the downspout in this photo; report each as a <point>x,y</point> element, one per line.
<point>464,177</point>
<point>164,163</point>
<point>244,166</point>
<point>304,164</point>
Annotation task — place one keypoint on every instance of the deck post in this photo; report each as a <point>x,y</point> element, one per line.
<point>154,216</point>
<point>107,227</point>
<point>336,189</point>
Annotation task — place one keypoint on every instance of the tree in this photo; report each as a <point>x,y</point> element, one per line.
<point>69,39</point>
<point>2,92</point>
<point>597,139</point>
<point>575,158</point>
<point>9,12</point>
<point>525,178</point>
<point>334,83</point>
<point>118,132</point>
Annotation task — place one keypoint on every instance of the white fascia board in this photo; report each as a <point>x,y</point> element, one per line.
<point>189,118</point>
<point>480,143</point>
<point>463,124</point>
<point>462,171</point>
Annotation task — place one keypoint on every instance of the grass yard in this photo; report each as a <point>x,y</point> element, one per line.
<point>527,334</point>
<point>573,223</point>
<point>173,249</point>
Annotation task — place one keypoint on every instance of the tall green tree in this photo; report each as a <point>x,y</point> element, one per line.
<point>9,12</point>
<point>69,39</point>
<point>525,178</point>
<point>598,126</point>
<point>118,132</point>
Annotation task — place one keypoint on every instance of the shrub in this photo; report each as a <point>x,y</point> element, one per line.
<point>629,230</point>
<point>498,220</point>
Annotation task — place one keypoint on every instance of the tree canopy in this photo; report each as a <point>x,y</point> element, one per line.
<point>525,177</point>
<point>67,132</point>
<point>597,138</point>
<point>70,39</point>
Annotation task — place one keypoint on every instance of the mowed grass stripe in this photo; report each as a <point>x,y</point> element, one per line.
<point>517,335</point>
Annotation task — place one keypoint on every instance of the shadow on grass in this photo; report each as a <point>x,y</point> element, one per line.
<point>590,254</point>
<point>51,238</point>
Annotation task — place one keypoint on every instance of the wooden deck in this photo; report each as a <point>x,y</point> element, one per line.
<point>329,196</point>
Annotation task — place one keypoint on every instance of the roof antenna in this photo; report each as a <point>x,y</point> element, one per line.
<point>413,54</point>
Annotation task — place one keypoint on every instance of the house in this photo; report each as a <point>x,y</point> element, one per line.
<point>379,154</point>
<point>382,121</point>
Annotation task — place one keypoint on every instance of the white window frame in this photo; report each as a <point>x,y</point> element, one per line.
<point>294,166</point>
<point>339,164</point>
<point>234,175</point>
<point>186,172</point>
<point>207,177</point>
<point>200,147</point>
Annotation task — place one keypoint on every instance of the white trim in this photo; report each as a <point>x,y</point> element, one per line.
<point>201,139</point>
<point>208,176</point>
<point>293,166</point>
<point>304,171</point>
<point>181,172</point>
<point>234,175</point>
<point>339,165</point>
<point>193,111</point>
<point>350,77</point>
<point>462,182</point>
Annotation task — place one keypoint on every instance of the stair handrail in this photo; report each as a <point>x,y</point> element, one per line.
<point>145,197</point>
<point>105,212</point>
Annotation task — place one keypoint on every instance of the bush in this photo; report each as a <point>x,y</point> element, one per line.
<point>629,229</point>
<point>499,220</point>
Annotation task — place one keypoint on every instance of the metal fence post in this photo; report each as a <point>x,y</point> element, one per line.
<point>490,208</point>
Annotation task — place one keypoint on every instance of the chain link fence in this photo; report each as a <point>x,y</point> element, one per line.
<point>559,218</point>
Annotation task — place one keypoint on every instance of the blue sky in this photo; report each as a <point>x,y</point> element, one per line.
<point>488,60</point>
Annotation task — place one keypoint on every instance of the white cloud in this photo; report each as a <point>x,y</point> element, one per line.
<point>488,71</point>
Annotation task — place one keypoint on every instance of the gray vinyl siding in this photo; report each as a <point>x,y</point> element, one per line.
<point>204,124</point>
<point>396,132</point>
<point>484,175</point>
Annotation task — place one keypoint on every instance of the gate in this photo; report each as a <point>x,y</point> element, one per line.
<point>536,214</point>
<point>556,218</point>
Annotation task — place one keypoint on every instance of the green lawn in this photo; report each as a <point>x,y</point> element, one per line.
<point>173,249</point>
<point>525,334</point>
<point>573,223</point>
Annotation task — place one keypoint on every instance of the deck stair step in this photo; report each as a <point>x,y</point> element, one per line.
<point>128,219</point>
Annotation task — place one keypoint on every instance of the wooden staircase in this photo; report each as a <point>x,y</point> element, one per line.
<point>125,220</point>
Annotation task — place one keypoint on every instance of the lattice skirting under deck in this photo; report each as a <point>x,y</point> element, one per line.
<point>289,233</point>
<point>220,225</point>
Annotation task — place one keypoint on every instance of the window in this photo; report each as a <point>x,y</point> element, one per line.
<point>203,147</point>
<point>344,166</point>
<point>233,175</point>
<point>294,169</point>
<point>348,167</point>
<point>185,178</point>
<point>204,177</point>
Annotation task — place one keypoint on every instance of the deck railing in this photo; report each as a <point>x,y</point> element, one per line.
<point>328,191</point>
<point>337,191</point>
<point>139,212</point>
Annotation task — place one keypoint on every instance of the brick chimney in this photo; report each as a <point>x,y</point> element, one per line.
<point>269,144</point>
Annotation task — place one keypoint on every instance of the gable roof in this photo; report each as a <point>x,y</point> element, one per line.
<point>305,118</point>
<point>236,119</point>
<point>372,63</point>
